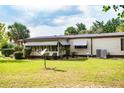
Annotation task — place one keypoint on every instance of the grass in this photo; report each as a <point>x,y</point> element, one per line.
<point>90,72</point>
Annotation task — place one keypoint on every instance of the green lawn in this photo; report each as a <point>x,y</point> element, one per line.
<point>90,72</point>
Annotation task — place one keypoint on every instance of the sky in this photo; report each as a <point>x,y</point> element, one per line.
<point>53,20</point>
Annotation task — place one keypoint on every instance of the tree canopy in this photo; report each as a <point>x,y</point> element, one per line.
<point>3,35</point>
<point>70,31</point>
<point>80,28</point>
<point>119,9</point>
<point>111,25</point>
<point>120,28</point>
<point>97,27</point>
<point>18,31</point>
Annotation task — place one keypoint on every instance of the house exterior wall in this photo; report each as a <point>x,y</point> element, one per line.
<point>80,51</point>
<point>112,45</point>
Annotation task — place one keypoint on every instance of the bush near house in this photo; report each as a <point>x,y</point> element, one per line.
<point>7,49</point>
<point>18,48</point>
<point>18,55</point>
<point>17,51</point>
<point>7,52</point>
<point>27,51</point>
<point>8,45</point>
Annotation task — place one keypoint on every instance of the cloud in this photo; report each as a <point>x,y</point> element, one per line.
<point>72,20</point>
<point>85,17</point>
<point>31,10</point>
<point>59,21</point>
<point>61,24</point>
<point>53,20</point>
<point>35,14</point>
<point>57,25</point>
<point>45,30</point>
<point>86,10</point>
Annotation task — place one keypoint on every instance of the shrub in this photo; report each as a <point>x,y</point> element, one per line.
<point>54,56</point>
<point>7,49</point>
<point>18,55</point>
<point>18,48</point>
<point>27,51</point>
<point>7,52</point>
<point>8,45</point>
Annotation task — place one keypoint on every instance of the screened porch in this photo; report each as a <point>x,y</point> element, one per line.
<point>53,48</point>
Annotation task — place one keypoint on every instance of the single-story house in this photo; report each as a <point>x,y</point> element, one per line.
<point>79,45</point>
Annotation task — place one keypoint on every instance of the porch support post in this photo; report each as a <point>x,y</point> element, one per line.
<point>58,49</point>
<point>91,46</point>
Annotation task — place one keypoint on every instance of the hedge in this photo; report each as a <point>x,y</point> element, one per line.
<point>18,55</point>
<point>7,52</point>
<point>27,51</point>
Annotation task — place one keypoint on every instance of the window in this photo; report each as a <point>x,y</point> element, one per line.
<point>80,46</point>
<point>54,48</point>
<point>35,48</point>
<point>122,44</point>
<point>49,48</point>
<point>41,47</point>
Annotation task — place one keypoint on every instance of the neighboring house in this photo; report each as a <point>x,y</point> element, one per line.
<point>79,45</point>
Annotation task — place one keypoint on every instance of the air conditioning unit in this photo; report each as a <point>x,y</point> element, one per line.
<point>101,53</point>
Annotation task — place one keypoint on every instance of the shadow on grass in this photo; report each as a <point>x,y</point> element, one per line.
<point>54,69</point>
<point>5,60</point>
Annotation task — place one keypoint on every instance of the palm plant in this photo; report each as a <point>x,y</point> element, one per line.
<point>18,31</point>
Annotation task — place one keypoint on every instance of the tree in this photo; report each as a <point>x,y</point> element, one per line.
<point>18,31</point>
<point>120,28</point>
<point>3,35</point>
<point>70,31</point>
<point>81,28</point>
<point>97,27</point>
<point>111,25</point>
<point>119,9</point>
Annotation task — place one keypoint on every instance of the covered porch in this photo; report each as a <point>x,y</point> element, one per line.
<point>54,48</point>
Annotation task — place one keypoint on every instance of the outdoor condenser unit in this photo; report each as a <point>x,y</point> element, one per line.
<point>101,53</point>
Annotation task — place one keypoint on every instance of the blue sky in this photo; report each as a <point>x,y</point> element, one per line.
<point>52,20</point>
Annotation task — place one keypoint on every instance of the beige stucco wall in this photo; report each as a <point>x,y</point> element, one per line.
<point>112,45</point>
<point>82,51</point>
